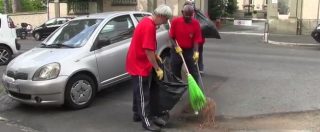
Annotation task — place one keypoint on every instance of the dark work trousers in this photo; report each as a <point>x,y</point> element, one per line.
<point>177,63</point>
<point>145,98</point>
<point>200,61</point>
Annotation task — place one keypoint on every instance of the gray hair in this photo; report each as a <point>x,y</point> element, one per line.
<point>163,10</point>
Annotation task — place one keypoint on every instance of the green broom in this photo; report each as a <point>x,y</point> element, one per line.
<point>196,96</point>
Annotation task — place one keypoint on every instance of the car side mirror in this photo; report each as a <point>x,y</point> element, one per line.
<point>103,42</point>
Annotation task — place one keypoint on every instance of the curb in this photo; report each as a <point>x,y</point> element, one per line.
<point>290,44</point>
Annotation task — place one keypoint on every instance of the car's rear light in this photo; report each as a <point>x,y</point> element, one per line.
<point>11,23</point>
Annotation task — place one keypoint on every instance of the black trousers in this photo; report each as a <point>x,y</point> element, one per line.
<point>145,98</point>
<point>176,62</point>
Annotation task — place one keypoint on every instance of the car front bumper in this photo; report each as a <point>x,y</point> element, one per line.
<point>36,92</point>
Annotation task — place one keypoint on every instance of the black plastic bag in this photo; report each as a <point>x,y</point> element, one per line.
<point>171,89</point>
<point>208,28</point>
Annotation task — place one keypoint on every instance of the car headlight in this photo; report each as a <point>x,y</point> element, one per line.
<point>47,72</point>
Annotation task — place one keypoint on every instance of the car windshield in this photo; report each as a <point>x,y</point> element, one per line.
<point>73,34</point>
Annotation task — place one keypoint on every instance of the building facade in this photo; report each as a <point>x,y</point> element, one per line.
<point>73,8</point>
<point>252,8</point>
<point>293,16</point>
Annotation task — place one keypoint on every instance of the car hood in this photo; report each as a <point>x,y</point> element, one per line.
<point>38,57</point>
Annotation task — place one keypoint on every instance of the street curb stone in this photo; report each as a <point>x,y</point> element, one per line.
<point>290,44</point>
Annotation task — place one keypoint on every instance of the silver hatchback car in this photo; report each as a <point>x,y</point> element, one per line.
<point>79,59</point>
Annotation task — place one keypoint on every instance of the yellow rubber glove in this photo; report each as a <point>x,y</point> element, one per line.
<point>178,49</point>
<point>196,56</point>
<point>159,72</point>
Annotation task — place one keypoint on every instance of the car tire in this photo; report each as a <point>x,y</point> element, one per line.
<point>80,92</point>
<point>5,55</point>
<point>37,36</point>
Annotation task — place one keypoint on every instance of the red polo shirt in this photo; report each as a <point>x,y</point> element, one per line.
<point>186,34</point>
<point>144,37</point>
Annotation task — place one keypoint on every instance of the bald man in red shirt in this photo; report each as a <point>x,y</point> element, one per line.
<point>187,33</point>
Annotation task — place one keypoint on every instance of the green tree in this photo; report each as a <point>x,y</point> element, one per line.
<point>219,8</point>
<point>215,8</point>
<point>231,7</point>
<point>14,6</point>
<point>33,5</point>
<point>5,6</point>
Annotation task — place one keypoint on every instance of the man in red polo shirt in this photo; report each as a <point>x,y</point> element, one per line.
<point>187,32</point>
<point>141,59</point>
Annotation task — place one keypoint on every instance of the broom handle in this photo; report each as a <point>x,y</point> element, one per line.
<point>200,77</point>
<point>184,61</point>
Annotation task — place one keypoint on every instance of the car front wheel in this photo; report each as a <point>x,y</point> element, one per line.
<point>5,55</point>
<point>80,91</point>
<point>37,36</point>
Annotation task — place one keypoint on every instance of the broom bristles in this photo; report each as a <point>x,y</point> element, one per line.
<point>197,98</point>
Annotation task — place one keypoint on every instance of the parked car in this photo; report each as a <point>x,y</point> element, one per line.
<point>8,39</point>
<point>315,34</point>
<point>45,29</point>
<point>82,57</point>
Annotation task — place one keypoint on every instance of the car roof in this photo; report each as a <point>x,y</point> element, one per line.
<point>3,14</point>
<point>68,17</point>
<point>108,14</point>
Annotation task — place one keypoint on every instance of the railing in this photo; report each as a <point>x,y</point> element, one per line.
<point>78,7</point>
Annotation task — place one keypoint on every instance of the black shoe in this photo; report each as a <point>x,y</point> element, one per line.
<point>151,127</point>
<point>165,116</point>
<point>136,118</point>
<point>159,121</point>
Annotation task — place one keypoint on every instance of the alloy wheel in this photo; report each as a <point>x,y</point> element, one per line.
<point>37,36</point>
<point>81,92</point>
<point>5,55</point>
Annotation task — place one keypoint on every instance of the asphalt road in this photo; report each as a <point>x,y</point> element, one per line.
<point>245,77</point>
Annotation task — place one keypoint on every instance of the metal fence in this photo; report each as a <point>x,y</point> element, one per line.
<point>78,7</point>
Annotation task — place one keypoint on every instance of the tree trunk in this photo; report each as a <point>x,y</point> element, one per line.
<point>6,6</point>
<point>15,6</point>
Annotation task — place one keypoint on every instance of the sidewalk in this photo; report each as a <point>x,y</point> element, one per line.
<point>257,28</point>
<point>301,40</point>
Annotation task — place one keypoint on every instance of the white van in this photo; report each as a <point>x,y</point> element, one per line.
<point>8,41</point>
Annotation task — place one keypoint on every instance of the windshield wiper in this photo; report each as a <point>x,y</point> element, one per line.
<point>56,46</point>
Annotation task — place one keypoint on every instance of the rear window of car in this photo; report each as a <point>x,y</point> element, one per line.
<point>140,16</point>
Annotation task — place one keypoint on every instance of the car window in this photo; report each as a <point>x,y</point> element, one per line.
<point>117,29</point>
<point>51,22</point>
<point>140,16</point>
<point>75,33</point>
<point>61,20</point>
